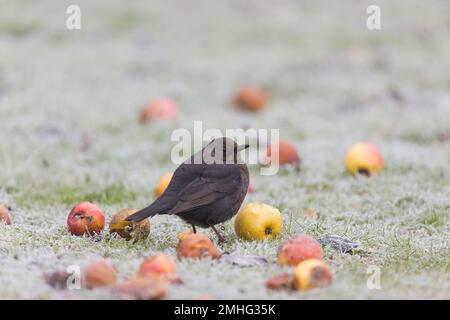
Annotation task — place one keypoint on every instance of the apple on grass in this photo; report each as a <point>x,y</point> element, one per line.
<point>196,246</point>
<point>299,248</point>
<point>287,154</point>
<point>159,109</point>
<point>4,215</point>
<point>258,221</point>
<point>312,273</point>
<point>364,158</point>
<point>85,218</point>
<point>162,184</point>
<point>249,98</point>
<point>158,264</point>
<point>99,273</point>
<point>182,235</point>
<point>129,230</point>
<point>143,287</point>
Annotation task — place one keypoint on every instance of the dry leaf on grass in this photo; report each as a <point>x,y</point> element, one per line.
<point>282,281</point>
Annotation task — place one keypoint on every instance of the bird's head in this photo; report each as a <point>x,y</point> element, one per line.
<point>223,150</point>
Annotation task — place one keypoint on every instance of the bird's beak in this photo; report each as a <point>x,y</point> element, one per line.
<point>121,226</point>
<point>243,147</point>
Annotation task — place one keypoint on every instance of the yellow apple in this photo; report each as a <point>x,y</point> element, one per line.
<point>162,184</point>
<point>127,229</point>
<point>364,158</point>
<point>312,273</point>
<point>258,221</point>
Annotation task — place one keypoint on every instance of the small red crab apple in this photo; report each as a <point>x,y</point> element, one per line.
<point>99,273</point>
<point>159,264</point>
<point>196,246</point>
<point>85,218</point>
<point>364,158</point>
<point>159,109</point>
<point>143,287</point>
<point>249,98</point>
<point>287,154</point>
<point>4,215</point>
<point>299,248</point>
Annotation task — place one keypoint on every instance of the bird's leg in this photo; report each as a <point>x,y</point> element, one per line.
<point>221,238</point>
<point>193,229</point>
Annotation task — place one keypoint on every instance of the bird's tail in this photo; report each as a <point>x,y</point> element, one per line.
<point>148,212</point>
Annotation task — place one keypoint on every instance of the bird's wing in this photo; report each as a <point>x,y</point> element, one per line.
<point>213,184</point>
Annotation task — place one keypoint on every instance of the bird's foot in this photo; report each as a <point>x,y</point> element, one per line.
<point>222,239</point>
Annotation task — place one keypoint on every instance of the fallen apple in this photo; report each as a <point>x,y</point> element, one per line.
<point>197,246</point>
<point>258,221</point>
<point>159,264</point>
<point>85,218</point>
<point>364,158</point>
<point>184,234</point>
<point>162,184</point>
<point>159,109</point>
<point>4,215</point>
<point>287,154</point>
<point>143,287</point>
<point>250,98</point>
<point>99,273</point>
<point>299,248</point>
<point>128,230</point>
<point>312,273</point>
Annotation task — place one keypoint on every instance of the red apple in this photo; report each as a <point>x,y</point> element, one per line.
<point>99,274</point>
<point>159,109</point>
<point>299,248</point>
<point>4,215</point>
<point>143,287</point>
<point>287,154</point>
<point>196,246</point>
<point>159,264</point>
<point>364,158</point>
<point>250,98</point>
<point>85,218</point>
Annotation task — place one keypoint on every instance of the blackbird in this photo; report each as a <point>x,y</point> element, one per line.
<point>206,189</point>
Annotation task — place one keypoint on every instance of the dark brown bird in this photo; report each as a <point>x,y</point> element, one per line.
<point>207,189</point>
